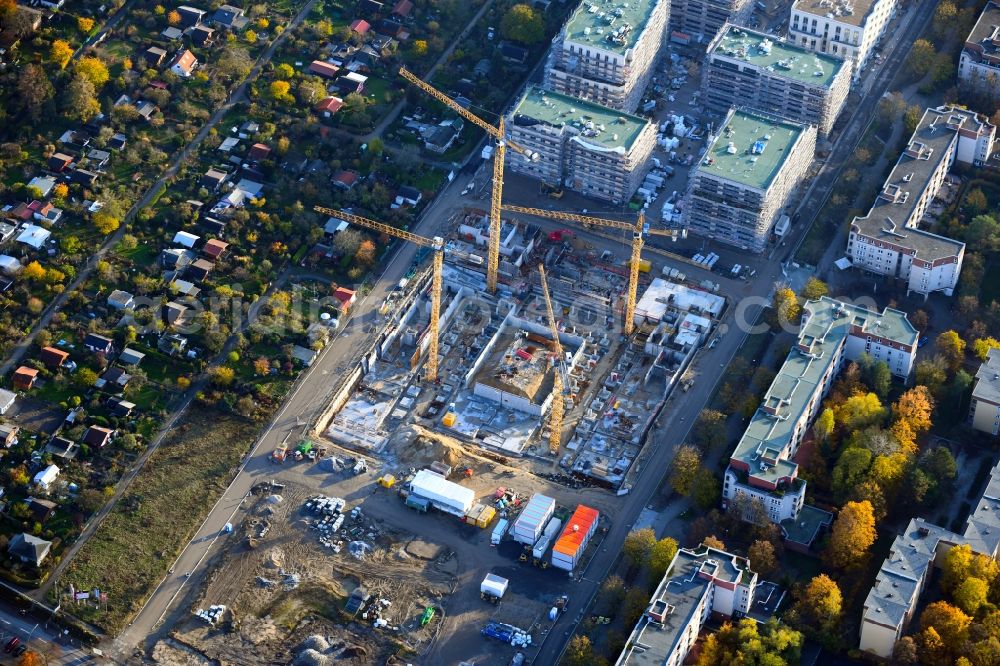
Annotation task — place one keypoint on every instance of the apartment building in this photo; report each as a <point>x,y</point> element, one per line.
<point>979,64</point>
<point>746,177</point>
<point>985,410</point>
<point>849,29</point>
<point>893,599</point>
<point>700,20</point>
<point>698,583</point>
<point>606,52</point>
<point>596,151</point>
<point>832,332</point>
<point>768,75</point>
<point>887,240</point>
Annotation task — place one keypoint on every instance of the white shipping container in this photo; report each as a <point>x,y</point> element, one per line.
<point>552,529</point>
<point>443,494</point>
<point>529,525</point>
<point>499,531</point>
<point>538,552</point>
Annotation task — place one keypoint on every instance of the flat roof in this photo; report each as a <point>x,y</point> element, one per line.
<point>929,145</point>
<point>601,127</point>
<point>988,379</point>
<point>612,25</point>
<point>827,322</point>
<point>987,29</point>
<point>780,58</point>
<point>837,9</point>
<point>751,149</point>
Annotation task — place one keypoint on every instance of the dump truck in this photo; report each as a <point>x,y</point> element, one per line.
<point>280,452</point>
<point>427,616</point>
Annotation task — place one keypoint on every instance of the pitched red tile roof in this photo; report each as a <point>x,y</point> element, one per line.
<point>360,26</point>
<point>330,104</point>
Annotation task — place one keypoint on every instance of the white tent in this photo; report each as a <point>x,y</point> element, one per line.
<point>186,239</point>
<point>34,236</point>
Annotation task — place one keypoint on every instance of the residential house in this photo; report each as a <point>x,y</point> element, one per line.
<point>24,377</point>
<point>114,379</point>
<point>184,64</point>
<point>172,34</point>
<point>146,109</point>
<point>171,343</point>
<point>514,54</point>
<point>74,140</point>
<point>190,16</point>
<point>6,231</point>
<point>345,180</point>
<point>174,314</point>
<point>229,144</point>
<point>28,548</point>
<point>352,82</point>
<point>119,407</point>
<point>985,410</point>
<point>177,258</point>
<point>184,287</point>
<point>230,17</point>
<point>20,212</point>
<point>439,139</point>
<point>9,265</point>
<point>59,162</point>
<point>202,35</point>
<point>117,142</point>
<point>402,9</point>
<point>325,69</point>
<point>345,297</point>
<point>45,212</point>
<point>62,448</point>
<point>53,357</point>
<point>365,60</point>
<point>83,177</point>
<point>154,56</point>
<point>186,239</point>
<point>99,344</point>
<point>8,434</point>
<point>34,236</point>
<point>98,159</point>
<point>258,152</point>
<point>41,509</point>
<point>334,226</point>
<point>384,46</point>
<point>390,28</point>
<point>7,399</point>
<point>215,248</point>
<point>360,26</point>
<point>43,184</point>
<point>199,270</point>
<point>46,478</point>
<point>97,436</point>
<point>130,356</point>
<point>329,106</point>
<point>407,195</point>
<point>121,300</point>
<point>213,179</point>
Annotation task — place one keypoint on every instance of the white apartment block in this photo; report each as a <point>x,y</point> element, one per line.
<point>596,151</point>
<point>700,20</point>
<point>699,582</point>
<point>766,74</point>
<point>849,29</point>
<point>887,241</point>
<point>746,177</point>
<point>893,599</point>
<point>761,467</point>
<point>984,413</point>
<point>606,52</point>
<point>979,64</point>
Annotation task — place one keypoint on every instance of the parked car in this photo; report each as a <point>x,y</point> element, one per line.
<point>11,644</point>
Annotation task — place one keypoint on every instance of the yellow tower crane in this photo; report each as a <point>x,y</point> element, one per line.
<point>498,132</point>
<point>437,243</point>
<point>560,384</point>
<point>640,229</point>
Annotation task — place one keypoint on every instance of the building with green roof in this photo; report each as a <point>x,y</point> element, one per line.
<point>597,151</point>
<point>832,333</point>
<point>746,177</point>
<point>767,74</point>
<point>607,50</point>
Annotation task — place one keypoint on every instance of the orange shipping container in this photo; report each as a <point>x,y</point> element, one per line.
<point>571,545</point>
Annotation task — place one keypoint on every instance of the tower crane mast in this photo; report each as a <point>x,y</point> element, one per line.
<point>560,384</point>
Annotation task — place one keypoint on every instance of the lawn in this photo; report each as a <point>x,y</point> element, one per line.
<point>135,545</point>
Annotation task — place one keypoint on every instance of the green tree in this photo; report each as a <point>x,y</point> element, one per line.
<point>971,594</point>
<point>952,348</point>
<point>705,489</point>
<point>983,233</point>
<point>710,429</point>
<point>932,373</point>
<point>661,554</point>
<point>850,470</point>
<point>637,545</point>
<point>814,289</point>
<point>852,535</point>
<point>685,467</point>
<point>746,642</point>
<point>876,375</point>
<point>85,378</point>
<point>920,59</point>
<point>522,24</point>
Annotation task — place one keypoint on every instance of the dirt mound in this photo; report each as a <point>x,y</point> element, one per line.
<point>417,447</point>
<point>275,559</point>
<point>311,658</point>
<point>315,642</point>
<point>169,653</point>
<point>423,549</point>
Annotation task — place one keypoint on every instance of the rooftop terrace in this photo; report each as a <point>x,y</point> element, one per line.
<point>612,25</point>
<point>781,58</point>
<point>599,126</point>
<point>750,149</point>
<point>851,12</point>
